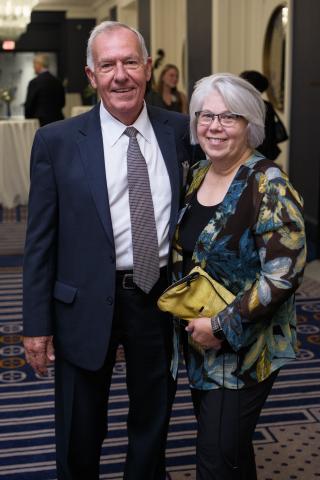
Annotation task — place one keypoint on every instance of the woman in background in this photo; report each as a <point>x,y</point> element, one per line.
<point>166,94</point>
<point>242,222</point>
<point>269,147</point>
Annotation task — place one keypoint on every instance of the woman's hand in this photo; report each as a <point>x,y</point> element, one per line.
<point>201,331</point>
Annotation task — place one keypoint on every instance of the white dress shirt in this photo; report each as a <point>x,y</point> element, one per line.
<point>115,145</point>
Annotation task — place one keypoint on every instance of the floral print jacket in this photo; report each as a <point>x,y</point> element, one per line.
<point>255,246</point>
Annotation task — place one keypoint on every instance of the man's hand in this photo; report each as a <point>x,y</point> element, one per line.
<point>39,353</point>
<point>201,332</point>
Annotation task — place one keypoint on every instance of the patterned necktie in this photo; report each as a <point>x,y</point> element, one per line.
<point>143,225</point>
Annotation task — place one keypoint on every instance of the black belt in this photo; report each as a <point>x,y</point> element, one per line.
<point>124,278</point>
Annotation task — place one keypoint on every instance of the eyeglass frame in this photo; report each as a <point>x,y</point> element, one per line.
<point>129,64</point>
<point>235,117</point>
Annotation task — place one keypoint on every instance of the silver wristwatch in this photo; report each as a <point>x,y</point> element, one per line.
<point>216,329</point>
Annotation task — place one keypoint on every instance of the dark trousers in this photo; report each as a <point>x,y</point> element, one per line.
<point>226,423</point>
<point>82,396</point>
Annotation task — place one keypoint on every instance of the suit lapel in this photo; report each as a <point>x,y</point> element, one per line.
<point>92,155</point>
<point>167,143</point>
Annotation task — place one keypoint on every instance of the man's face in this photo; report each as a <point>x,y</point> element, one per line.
<point>119,74</point>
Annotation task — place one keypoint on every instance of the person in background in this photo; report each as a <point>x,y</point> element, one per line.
<point>45,95</point>
<point>269,147</point>
<point>243,223</point>
<point>104,198</point>
<point>166,94</point>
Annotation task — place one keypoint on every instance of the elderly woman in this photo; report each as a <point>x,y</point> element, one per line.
<point>242,222</point>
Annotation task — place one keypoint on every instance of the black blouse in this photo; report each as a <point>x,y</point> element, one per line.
<point>193,222</point>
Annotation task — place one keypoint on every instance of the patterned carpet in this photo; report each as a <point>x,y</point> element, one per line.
<point>12,230</point>
<point>287,439</point>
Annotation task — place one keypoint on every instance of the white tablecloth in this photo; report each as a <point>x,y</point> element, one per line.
<point>78,109</point>
<point>16,137</point>
<point>72,99</point>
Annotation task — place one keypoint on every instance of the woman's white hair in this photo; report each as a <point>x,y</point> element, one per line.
<point>239,96</point>
<point>107,26</point>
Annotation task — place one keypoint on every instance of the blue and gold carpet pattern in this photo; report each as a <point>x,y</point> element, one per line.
<point>287,439</point>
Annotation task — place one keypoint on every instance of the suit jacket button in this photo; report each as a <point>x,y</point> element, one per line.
<point>109,300</point>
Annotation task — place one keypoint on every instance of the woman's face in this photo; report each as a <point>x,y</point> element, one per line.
<point>218,142</point>
<point>171,78</point>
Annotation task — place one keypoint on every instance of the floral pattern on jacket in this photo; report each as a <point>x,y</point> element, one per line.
<point>255,246</point>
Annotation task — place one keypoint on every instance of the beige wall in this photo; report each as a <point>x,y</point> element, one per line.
<point>127,12</point>
<point>168,31</point>
<point>238,33</point>
<point>101,9</point>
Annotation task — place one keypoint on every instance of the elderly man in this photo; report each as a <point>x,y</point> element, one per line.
<point>104,198</point>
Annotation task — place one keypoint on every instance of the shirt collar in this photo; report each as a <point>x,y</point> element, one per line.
<point>113,128</point>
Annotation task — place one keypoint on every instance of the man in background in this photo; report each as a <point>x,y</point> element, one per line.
<point>45,95</point>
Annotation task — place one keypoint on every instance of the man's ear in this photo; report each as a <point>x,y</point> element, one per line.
<point>91,76</point>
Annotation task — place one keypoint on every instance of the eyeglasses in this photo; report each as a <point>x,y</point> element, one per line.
<point>226,119</point>
<point>128,65</point>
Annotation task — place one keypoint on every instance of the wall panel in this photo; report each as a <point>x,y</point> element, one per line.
<point>168,31</point>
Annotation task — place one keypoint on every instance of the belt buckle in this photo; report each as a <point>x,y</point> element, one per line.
<point>127,282</point>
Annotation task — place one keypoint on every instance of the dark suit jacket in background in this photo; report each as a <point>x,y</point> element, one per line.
<point>45,99</point>
<point>70,264</point>
<point>269,148</point>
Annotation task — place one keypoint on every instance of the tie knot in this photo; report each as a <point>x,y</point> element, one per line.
<point>131,132</point>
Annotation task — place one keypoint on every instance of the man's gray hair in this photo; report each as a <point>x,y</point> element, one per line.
<point>239,96</point>
<point>43,59</point>
<point>106,27</point>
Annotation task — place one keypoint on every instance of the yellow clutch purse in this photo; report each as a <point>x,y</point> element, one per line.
<point>195,295</point>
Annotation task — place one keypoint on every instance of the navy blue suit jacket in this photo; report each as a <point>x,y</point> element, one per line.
<point>69,264</point>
